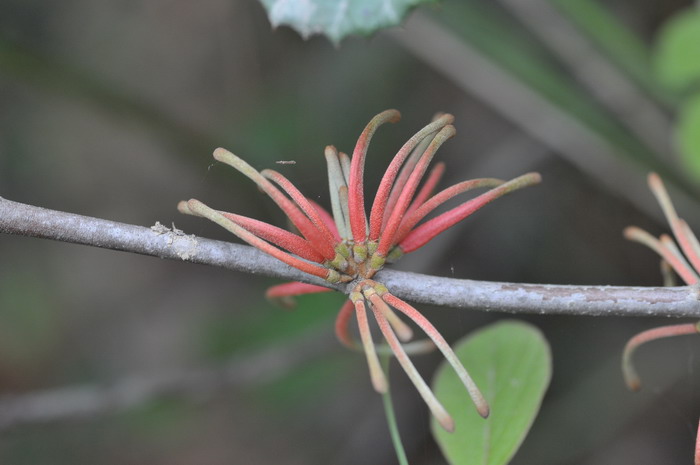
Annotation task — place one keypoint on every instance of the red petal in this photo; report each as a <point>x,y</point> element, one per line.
<point>356,198</point>
<point>278,236</point>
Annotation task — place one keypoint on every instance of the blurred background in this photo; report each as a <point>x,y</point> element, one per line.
<point>112,109</point>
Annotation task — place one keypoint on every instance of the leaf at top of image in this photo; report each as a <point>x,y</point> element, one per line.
<point>511,363</point>
<point>677,55</point>
<point>338,18</point>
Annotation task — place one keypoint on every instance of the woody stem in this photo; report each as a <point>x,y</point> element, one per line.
<point>26,220</point>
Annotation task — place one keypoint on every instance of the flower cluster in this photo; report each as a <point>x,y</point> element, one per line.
<point>685,261</point>
<point>350,247</point>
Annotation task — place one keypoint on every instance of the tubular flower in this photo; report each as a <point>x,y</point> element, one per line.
<point>685,261</point>
<point>350,247</point>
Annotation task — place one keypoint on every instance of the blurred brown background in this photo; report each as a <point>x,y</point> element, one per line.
<point>112,109</point>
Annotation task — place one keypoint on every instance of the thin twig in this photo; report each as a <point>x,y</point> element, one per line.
<point>158,241</point>
<point>600,77</point>
<point>198,385</point>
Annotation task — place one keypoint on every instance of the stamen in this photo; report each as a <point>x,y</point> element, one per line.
<point>401,180</point>
<point>358,216</point>
<point>283,294</point>
<point>684,235</point>
<point>278,236</point>
<point>335,181</point>
<point>666,248</point>
<point>342,320</point>
<point>633,233</point>
<point>659,190</point>
<point>411,219</point>
<point>343,196</point>
<point>386,241</point>
<point>345,165</point>
<point>434,405</point>
<point>431,228</point>
<point>294,288</point>
<point>183,208</point>
<point>375,369</point>
<point>688,241</point>
<point>428,187</point>
<point>379,206</point>
<point>418,347</point>
<point>685,270</point>
<point>342,332</point>
<point>481,405</point>
<point>296,216</point>
<point>301,201</point>
<point>327,219</point>
<point>199,209</point>
<point>629,372</point>
<point>402,330</point>
<point>408,167</point>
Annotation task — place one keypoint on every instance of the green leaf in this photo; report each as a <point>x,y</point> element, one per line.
<point>504,42</point>
<point>337,18</point>
<point>511,363</point>
<point>617,40</point>
<point>688,135</point>
<point>678,51</point>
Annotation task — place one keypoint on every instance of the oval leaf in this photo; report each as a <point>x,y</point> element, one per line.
<point>511,363</point>
<point>677,57</point>
<point>337,18</point>
<point>688,135</point>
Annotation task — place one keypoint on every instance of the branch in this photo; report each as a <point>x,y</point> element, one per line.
<point>600,76</point>
<point>156,241</point>
<point>159,241</point>
<point>199,385</point>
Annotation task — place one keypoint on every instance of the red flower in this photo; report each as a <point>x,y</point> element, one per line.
<point>684,261</point>
<point>351,248</point>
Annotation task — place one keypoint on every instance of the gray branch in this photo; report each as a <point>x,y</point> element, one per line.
<point>600,76</point>
<point>159,241</point>
<point>197,385</point>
